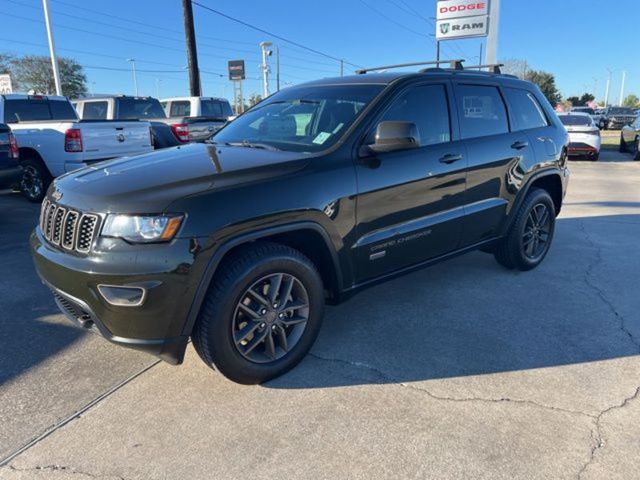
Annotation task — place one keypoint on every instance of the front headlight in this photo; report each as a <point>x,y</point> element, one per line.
<point>142,228</point>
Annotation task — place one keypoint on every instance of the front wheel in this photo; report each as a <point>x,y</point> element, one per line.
<point>623,145</point>
<point>262,313</point>
<point>529,237</point>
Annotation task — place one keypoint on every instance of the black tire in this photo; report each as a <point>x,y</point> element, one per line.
<point>510,251</point>
<point>35,179</point>
<point>623,144</point>
<point>595,157</point>
<point>636,149</point>
<point>215,330</point>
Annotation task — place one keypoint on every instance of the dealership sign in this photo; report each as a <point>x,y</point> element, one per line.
<point>462,19</point>
<point>236,70</point>
<point>5,84</point>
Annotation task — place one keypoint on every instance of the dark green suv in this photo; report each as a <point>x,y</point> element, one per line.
<point>315,193</point>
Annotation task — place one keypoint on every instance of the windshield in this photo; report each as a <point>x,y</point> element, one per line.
<point>622,111</point>
<point>574,120</point>
<point>303,119</point>
<point>216,108</point>
<point>136,108</point>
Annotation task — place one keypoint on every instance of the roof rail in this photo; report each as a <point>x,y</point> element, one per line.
<point>493,67</point>
<point>454,64</point>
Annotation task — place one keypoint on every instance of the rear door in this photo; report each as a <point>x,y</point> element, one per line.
<point>410,203</point>
<point>497,157</point>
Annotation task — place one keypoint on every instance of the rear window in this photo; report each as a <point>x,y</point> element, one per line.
<point>575,120</point>
<point>216,108</point>
<point>30,110</point>
<point>482,111</point>
<point>136,108</point>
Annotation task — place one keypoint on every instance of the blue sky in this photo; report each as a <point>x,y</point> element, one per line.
<point>577,40</point>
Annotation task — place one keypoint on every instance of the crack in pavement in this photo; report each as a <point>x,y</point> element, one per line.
<point>389,379</point>
<point>64,469</point>
<point>599,441</point>
<point>600,292</point>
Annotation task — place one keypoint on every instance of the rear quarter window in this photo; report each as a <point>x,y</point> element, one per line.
<point>481,110</point>
<point>526,112</point>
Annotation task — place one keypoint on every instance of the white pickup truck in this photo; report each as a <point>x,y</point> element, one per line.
<point>53,141</point>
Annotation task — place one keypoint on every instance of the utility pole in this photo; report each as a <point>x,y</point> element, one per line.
<point>438,53</point>
<point>624,74</point>
<point>277,68</point>
<point>342,68</point>
<point>135,77</point>
<point>480,57</point>
<point>606,94</point>
<point>492,37</point>
<point>266,53</point>
<point>52,48</point>
<point>192,53</point>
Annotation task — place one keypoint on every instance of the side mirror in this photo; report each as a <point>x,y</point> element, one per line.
<point>394,136</point>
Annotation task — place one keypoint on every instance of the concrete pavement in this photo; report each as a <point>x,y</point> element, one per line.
<point>463,370</point>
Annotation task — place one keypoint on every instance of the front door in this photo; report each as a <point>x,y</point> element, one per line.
<point>410,203</point>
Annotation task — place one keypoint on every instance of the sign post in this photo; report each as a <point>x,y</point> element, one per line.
<point>237,74</point>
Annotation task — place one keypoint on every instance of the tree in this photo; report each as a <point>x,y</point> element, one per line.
<point>5,63</point>
<point>515,66</point>
<point>34,72</point>
<point>582,101</point>
<point>631,101</point>
<point>254,98</point>
<point>547,83</point>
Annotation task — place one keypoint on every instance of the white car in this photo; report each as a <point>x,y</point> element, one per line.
<point>584,135</point>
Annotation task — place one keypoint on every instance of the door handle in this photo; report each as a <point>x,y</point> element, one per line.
<point>519,145</point>
<point>450,158</point>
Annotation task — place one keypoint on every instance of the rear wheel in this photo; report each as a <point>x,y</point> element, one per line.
<point>530,235</point>
<point>261,315</point>
<point>35,180</point>
<point>636,149</point>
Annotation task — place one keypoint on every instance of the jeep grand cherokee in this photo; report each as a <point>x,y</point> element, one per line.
<point>315,193</point>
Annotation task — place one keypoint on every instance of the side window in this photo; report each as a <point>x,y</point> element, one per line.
<point>426,106</point>
<point>95,111</point>
<point>481,110</point>
<point>526,112</point>
<point>180,108</point>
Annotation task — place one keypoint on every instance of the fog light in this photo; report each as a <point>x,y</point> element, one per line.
<point>123,296</point>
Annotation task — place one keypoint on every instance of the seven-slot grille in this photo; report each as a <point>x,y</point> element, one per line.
<point>66,228</point>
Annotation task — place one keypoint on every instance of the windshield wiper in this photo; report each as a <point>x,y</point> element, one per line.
<point>248,144</point>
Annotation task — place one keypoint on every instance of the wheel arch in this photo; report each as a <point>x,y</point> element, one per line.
<point>309,238</point>
<point>32,153</point>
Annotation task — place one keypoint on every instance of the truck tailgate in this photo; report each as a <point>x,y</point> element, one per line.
<point>109,139</point>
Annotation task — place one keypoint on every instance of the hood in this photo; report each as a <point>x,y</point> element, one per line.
<point>149,183</point>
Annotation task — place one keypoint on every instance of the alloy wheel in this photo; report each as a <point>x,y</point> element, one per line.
<point>537,230</point>
<point>32,183</point>
<point>270,318</point>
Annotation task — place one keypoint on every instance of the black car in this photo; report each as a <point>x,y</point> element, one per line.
<point>618,117</point>
<point>315,193</point>
<point>10,169</point>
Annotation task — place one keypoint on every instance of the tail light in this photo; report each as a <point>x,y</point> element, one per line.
<point>73,140</point>
<point>14,152</point>
<point>181,131</point>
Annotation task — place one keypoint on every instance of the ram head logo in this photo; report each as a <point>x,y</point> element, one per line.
<point>444,28</point>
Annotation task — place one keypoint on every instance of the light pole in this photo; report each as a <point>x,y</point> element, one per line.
<point>52,48</point>
<point>606,92</point>
<point>135,78</point>
<point>624,75</point>
<point>266,53</point>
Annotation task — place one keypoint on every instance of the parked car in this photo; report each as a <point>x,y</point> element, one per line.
<point>618,117</point>
<point>598,118</point>
<point>197,118</point>
<point>584,135</point>
<point>630,139</point>
<point>166,132</point>
<point>319,191</point>
<point>53,141</point>
<point>10,169</point>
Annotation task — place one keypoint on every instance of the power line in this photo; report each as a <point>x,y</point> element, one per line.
<point>299,45</point>
<point>383,15</point>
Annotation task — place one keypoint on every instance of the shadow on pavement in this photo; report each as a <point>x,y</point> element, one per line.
<point>470,316</point>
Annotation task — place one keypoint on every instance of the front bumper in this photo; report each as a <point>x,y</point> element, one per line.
<point>167,272</point>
